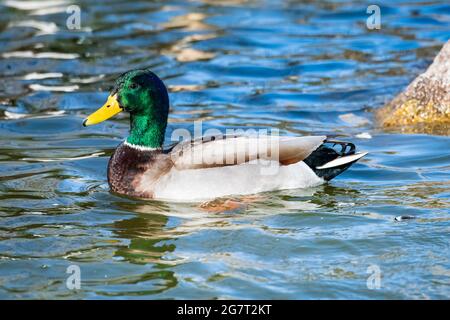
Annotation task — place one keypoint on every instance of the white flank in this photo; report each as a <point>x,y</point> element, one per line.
<point>343,160</point>
<point>202,184</point>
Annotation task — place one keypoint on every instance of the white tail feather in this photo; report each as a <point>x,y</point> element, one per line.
<point>342,160</point>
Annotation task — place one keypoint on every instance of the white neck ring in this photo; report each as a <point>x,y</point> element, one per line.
<point>141,148</point>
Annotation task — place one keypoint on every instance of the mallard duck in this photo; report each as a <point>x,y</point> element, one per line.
<point>211,166</point>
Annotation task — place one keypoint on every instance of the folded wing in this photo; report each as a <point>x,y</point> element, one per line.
<point>218,151</point>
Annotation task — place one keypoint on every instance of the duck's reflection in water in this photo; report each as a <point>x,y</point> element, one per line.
<point>146,233</point>
<point>153,232</point>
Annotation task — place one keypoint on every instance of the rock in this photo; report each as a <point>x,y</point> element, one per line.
<point>424,106</point>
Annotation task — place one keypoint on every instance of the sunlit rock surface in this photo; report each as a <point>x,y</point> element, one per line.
<point>424,106</point>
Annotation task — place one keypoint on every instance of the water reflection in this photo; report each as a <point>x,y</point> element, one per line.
<point>147,237</point>
<point>157,226</point>
<point>43,27</point>
<point>159,222</point>
<point>182,49</point>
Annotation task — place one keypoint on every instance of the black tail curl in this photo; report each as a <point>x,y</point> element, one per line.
<point>326,153</point>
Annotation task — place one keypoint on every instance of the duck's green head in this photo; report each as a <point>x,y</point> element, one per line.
<point>144,96</point>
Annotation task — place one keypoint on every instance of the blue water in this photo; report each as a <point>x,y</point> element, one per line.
<point>303,68</point>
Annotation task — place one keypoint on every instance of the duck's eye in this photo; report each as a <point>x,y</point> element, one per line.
<point>134,86</point>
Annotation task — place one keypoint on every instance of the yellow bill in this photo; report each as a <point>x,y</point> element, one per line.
<point>109,109</point>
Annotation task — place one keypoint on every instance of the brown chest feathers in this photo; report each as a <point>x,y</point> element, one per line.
<point>134,172</point>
